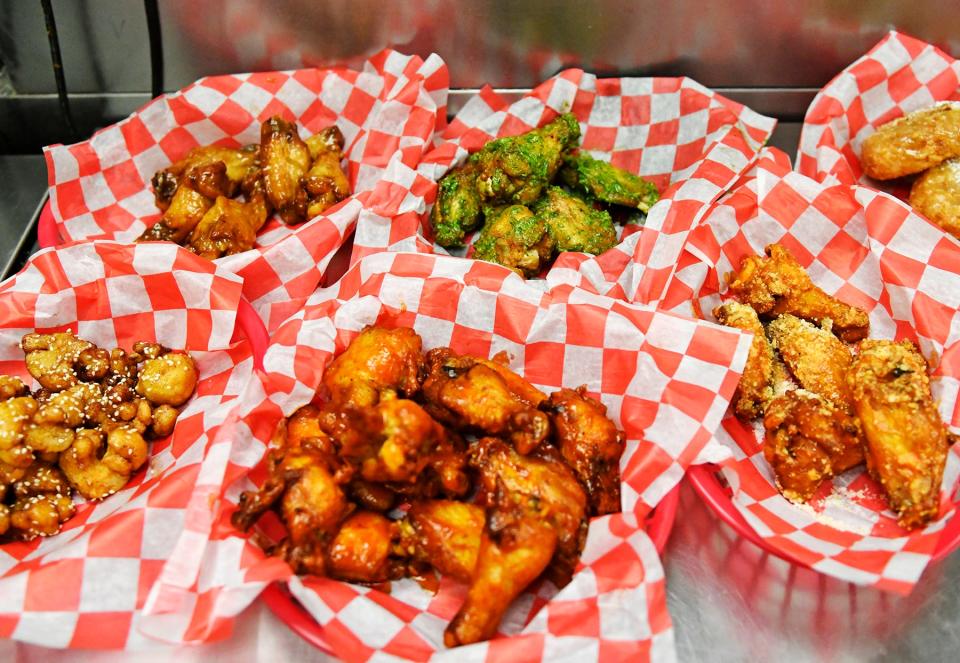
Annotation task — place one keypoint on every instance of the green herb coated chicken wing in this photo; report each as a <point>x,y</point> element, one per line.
<point>457,210</point>
<point>573,224</point>
<point>517,168</point>
<point>514,237</point>
<point>607,183</point>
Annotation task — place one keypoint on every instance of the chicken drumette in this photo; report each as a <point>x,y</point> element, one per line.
<point>378,361</point>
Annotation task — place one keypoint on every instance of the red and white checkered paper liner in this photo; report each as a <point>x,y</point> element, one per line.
<point>869,249</point>
<point>85,587</point>
<point>690,141</point>
<point>897,76</point>
<point>666,380</point>
<point>388,113</point>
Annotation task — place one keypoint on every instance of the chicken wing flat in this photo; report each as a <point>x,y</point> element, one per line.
<point>816,358</point>
<point>446,534</point>
<point>513,236</point>
<point>756,385</point>
<point>591,444</point>
<point>906,442</point>
<point>536,518</point>
<point>457,209</point>
<point>377,361</point>
<point>517,168</point>
<point>325,183</point>
<point>807,441</point>
<point>574,224</point>
<point>778,284</point>
<point>912,143</point>
<point>364,549</point>
<point>228,227</point>
<point>463,392</point>
<point>285,160</point>
<point>936,195</point>
<point>607,183</point>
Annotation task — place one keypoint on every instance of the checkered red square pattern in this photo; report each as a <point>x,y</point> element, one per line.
<point>871,250</point>
<point>692,142</point>
<point>897,76</point>
<point>665,379</point>
<point>86,587</point>
<point>388,113</point>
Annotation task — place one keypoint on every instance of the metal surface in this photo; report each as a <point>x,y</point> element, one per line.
<point>22,195</point>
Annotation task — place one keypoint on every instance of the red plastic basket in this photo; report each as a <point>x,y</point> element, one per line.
<point>719,498</point>
<point>289,611</point>
<point>47,234</point>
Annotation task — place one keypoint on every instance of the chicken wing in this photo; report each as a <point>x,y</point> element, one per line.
<point>446,534</point>
<point>591,444</point>
<point>912,143</point>
<point>236,162</point>
<point>573,224</point>
<point>906,441</point>
<point>516,169</point>
<point>513,236</point>
<point>52,359</point>
<point>756,386</point>
<point>606,182</point>
<point>807,441</point>
<point>778,284</point>
<point>936,195</point>
<point>228,227</point>
<point>325,183</point>
<point>536,518</point>
<point>285,160</point>
<point>457,209</point>
<point>194,196</point>
<point>816,358</point>
<point>463,392</point>
<point>377,361</point>
<point>365,549</point>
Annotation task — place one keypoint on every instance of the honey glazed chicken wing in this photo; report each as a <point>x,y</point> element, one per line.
<point>816,358</point>
<point>756,386</point>
<point>376,362</point>
<point>536,522</point>
<point>913,143</point>
<point>285,160</point>
<point>807,441</point>
<point>591,444</point>
<point>777,284</point>
<point>906,441</point>
<point>194,196</point>
<point>229,227</point>
<point>463,392</point>
<point>325,183</point>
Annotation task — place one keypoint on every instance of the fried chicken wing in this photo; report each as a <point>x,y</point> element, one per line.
<point>236,164</point>
<point>778,284</point>
<point>591,444</point>
<point>446,534</point>
<point>513,236</point>
<point>536,518</point>
<point>457,209</point>
<point>194,196</point>
<point>40,515</point>
<point>97,471</point>
<point>606,182</point>
<point>516,169</point>
<point>463,392</point>
<point>574,224</point>
<point>906,441</point>
<point>12,387</point>
<point>936,195</point>
<point>913,143</point>
<point>52,358</point>
<point>377,361</point>
<point>167,378</point>
<point>285,160</point>
<point>756,386</point>
<point>519,387</point>
<point>325,183</point>
<point>363,550</point>
<point>807,441</point>
<point>816,358</point>
<point>228,227</point>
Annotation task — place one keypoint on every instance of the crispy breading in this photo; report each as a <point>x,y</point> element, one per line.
<point>817,359</point>
<point>936,195</point>
<point>912,143</point>
<point>756,385</point>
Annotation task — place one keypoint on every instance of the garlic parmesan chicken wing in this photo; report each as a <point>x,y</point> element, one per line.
<point>537,521</point>
<point>936,195</point>
<point>463,391</point>
<point>376,362</point>
<point>816,358</point>
<point>591,444</point>
<point>777,284</point>
<point>756,385</point>
<point>807,441</point>
<point>913,143</point>
<point>906,442</point>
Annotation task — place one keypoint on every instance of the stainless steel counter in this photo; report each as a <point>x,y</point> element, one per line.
<point>729,600</point>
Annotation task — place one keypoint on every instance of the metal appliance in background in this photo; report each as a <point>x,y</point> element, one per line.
<point>71,66</point>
